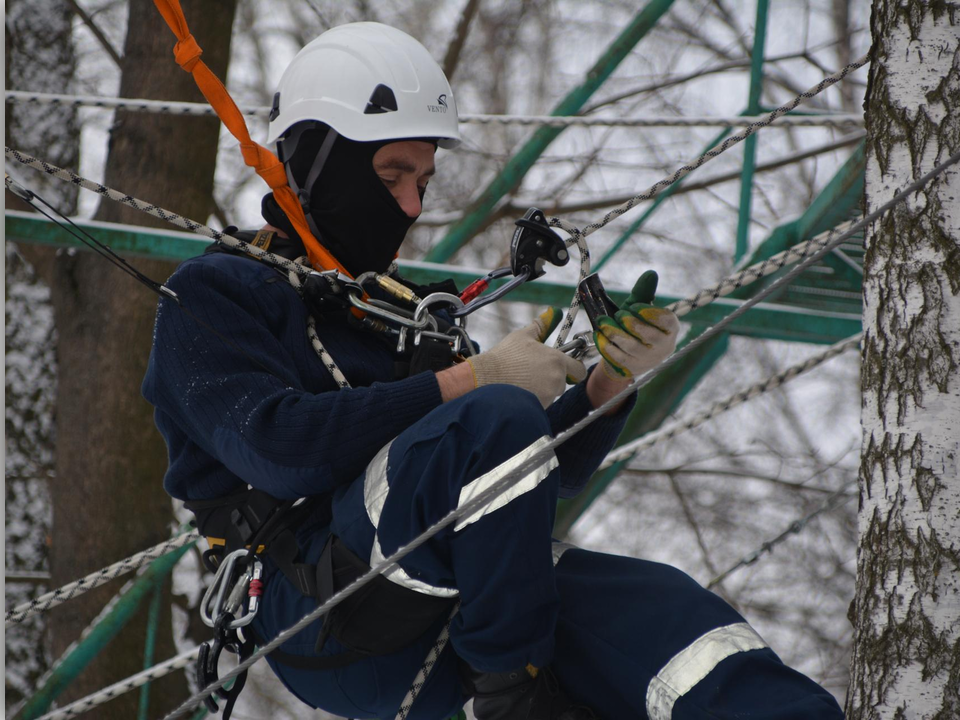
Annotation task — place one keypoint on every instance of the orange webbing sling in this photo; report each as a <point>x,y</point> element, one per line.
<point>187,53</point>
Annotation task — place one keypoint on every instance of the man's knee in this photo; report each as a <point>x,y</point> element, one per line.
<point>515,412</point>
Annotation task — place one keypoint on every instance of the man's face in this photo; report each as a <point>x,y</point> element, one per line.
<point>406,167</point>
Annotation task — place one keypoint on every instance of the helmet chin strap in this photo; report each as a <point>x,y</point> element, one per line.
<point>303,194</point>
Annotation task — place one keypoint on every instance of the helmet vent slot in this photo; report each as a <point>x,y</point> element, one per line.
<point>381,100</point>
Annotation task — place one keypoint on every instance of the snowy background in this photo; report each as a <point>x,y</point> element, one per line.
<point>701,501</point>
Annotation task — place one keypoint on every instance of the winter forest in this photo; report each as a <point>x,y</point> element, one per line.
<point>818,496</point>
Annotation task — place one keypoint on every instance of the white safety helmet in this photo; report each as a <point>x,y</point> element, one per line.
<point>368,82</point>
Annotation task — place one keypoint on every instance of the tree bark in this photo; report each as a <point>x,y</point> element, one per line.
<point>109,500</point>
<point>906,661</point>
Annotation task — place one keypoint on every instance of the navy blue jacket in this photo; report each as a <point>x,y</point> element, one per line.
<point>242,398</point>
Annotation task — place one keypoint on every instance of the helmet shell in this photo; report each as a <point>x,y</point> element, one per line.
<point>334,78</point>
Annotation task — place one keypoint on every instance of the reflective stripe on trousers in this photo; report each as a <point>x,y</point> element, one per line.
<point>376,488</point>
<point>694,663</point>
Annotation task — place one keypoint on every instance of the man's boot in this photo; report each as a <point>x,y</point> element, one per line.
<point>527,694</point>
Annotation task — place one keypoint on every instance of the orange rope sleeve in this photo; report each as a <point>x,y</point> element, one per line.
<point>187,53</point>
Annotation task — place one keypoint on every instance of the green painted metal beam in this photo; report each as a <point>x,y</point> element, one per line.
<point>89,647</point>
<point>766,321</point>
<point>517,167</point>
<point>127,239</point>
<point>150,648</point>
<point>750,144</point>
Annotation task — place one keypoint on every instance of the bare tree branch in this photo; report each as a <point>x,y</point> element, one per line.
<point>452,57</point>
<point>97,32</point>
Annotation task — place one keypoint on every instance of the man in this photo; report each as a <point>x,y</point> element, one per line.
<point>542,631</point>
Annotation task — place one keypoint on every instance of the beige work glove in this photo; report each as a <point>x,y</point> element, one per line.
<point>523,360</point>
<point>638,337</point>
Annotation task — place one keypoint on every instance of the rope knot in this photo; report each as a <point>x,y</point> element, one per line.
<point>187,53</point>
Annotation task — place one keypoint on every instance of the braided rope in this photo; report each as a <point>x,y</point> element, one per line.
<point>123,686</point>
<point>95,579</point>
<point>685,170</point>
<point>795,528</point>
<point>580,241</point>
<point>667,432</point>
<point>45,678</point>
<point>325,357</point>
<point>839,120</point>
<point>758,270</point>
<point>154,210</point>
<point>421,679</point>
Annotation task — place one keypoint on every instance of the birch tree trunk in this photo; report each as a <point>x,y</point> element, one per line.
<point>906,660</point>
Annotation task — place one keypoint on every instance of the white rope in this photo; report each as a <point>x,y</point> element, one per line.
<point>537,456</point>
<point>758,270</point>
<point>96,579</point>
<point>55,665</point>
<point>421,679</point>
<point>683,171</point>
<point>673,429</point>
<point>124,686</point>
<point>170,107</point>
<point>154,210</point>
<point>537,453</point>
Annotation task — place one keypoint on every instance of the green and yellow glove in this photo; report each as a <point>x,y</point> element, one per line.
<point>639,336</point>
<point>523,360</point>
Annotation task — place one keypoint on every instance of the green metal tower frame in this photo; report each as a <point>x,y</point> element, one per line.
<point>817,311</point>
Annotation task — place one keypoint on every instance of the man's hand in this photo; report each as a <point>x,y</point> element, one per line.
<point>640,336</point>
<point>519,359</point>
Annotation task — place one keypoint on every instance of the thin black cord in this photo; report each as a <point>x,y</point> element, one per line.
<point>106,252</point>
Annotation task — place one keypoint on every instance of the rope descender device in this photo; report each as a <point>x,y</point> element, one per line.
<point>534,243</point>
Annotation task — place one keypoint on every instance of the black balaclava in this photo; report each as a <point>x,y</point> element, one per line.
<point>359,220</point>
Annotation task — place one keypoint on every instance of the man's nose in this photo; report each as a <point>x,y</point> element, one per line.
<point>408,197</point>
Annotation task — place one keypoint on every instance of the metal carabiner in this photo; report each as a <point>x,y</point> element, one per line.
<point>439,298</point>
<point>227,593</point>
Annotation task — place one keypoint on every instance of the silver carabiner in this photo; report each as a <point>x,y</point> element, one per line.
<point>227,593</point>
<point>439,298</point>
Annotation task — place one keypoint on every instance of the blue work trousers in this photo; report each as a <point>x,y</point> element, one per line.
<point>626,637</point>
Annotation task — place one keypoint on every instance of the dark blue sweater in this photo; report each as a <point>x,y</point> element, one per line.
<point>247,400</point>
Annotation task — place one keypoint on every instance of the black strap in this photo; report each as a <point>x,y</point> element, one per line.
<point>231,695</point>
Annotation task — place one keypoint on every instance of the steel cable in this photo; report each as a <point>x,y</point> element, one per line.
<point>838,120</point>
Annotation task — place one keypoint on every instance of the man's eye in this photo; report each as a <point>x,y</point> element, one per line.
<point>421,189</point>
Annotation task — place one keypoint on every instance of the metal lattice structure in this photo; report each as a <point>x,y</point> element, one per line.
<point>822,306</point>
